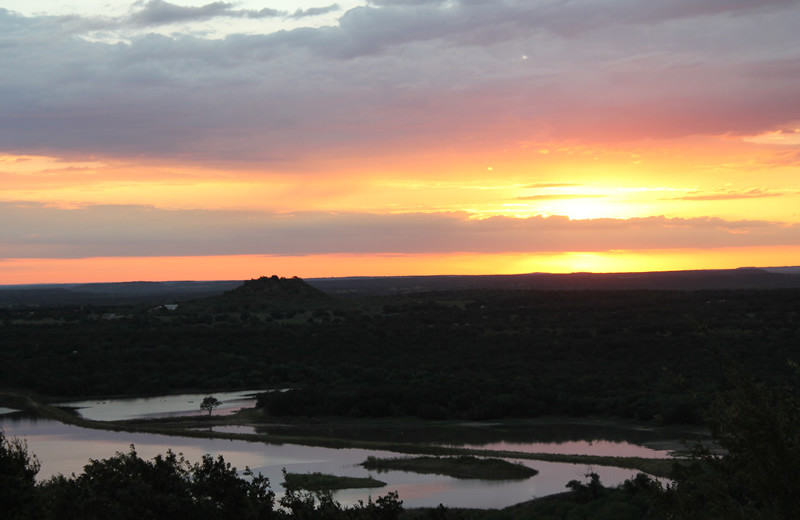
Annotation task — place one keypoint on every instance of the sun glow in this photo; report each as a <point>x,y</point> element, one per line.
<point>583,208</point>
<point>578,202</point>
<point>235,267</point>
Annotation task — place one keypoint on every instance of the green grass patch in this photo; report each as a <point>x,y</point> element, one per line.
<point>458,467</point>
<point>322,481</point>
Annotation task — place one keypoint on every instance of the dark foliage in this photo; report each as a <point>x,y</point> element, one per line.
<point>18,471</point>
<point>754,476</point>
<point>320,505</point>
<point>167,487</point>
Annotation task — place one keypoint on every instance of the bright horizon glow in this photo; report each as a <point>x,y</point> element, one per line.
<point>245,267</point>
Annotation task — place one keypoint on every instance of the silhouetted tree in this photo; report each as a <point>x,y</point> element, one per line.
<point>126,486</point>
<point>209,403</point>
<point>18,471</point>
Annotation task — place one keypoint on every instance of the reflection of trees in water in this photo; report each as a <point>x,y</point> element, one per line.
<point>478,434</point>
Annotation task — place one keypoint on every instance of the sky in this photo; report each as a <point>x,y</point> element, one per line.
<point>188,140</point>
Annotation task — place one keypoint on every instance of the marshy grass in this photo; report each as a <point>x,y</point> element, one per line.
<point>465,466</point>
<point>322,481</point>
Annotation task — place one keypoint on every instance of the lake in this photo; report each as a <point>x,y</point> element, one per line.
<point>65,449</point>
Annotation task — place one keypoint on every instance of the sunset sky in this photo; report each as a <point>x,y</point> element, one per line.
<point>153,140</point>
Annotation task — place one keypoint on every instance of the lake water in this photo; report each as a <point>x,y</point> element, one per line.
<point>65,449</point>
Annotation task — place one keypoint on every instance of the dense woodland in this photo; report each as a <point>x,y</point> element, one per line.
<point>471,354</point>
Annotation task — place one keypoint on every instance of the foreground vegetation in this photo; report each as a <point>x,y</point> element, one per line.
<point>167,487</point>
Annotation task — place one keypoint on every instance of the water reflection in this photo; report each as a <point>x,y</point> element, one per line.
<point>524,436</point>
<point>602,447</point>
<point>233,428</point>
<point>530,436</point>
<point>161,406</point>
<point>65,449</point>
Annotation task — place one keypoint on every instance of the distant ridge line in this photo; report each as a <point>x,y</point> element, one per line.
<point>787,277</point>
<point>721,279</point>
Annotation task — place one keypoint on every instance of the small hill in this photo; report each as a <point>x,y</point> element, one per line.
<point>275,288</point>
<point>264,294</point>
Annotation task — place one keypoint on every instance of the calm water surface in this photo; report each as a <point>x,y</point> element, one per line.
<point>594,447</point>
<point>162,406</point>
<point>65,449</point>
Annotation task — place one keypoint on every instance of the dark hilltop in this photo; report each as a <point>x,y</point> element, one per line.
<point>294,290</point>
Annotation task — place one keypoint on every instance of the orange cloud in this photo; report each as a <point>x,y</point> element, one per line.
<point>754,193</point>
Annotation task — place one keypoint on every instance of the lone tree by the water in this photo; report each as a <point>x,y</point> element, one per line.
<point>209,403</point>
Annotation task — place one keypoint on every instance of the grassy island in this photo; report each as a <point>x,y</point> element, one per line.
<point>321,481</point>
<point>458,467</point>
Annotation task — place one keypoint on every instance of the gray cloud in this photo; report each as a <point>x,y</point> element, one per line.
<point>406,2</point>
<point>159,12</point>
<point>141,230</point>
<point>398,76</point>
<point>315,11</point>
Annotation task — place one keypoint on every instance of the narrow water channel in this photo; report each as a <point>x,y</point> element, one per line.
<point>65,449</point>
